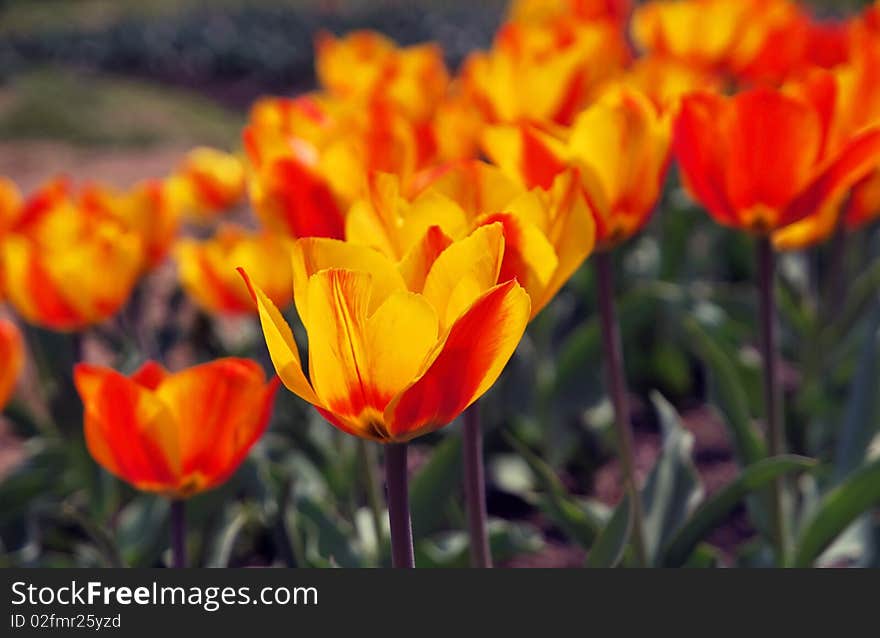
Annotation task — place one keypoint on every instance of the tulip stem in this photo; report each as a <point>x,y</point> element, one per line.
<point>475,488</point>
<point>614,373</point>
<point>772,390</point>
<point>402,554</point>
<point>178,532</point>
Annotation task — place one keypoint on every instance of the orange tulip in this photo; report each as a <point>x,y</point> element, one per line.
<point>620,145</point>
<point>146,209</point>
<point>65,268</point>
<point>764,159</point>
<point>207,269</point>
<point>365,66</point>
<point>176,434</point>
<point>11,359</point>
<point>208,182</point>
<point>543,73</point>
<point>358,306</point>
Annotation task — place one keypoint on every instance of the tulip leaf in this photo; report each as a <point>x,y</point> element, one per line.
<point>838,509</point>
<point>451,549</point>
<point>729,394</point>
<point>557,504</point>
<point>609,547</point>
<point>673,486</point>
<point>858,297</point>
<point>860,417</point>
<point>433,486</point>
<point>713,511</point>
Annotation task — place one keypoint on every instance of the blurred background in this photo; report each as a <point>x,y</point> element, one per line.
<point>119,90</point>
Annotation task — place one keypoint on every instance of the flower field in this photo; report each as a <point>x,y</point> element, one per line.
<point>578,283</point>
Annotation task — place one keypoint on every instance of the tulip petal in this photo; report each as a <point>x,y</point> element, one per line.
<point>230,402</point>
<point>282,347</point>
<point>467,364</point>
<point>311,255</point>
<point>525,153</point>
<point>128,431</point>
<point>699,148</point>
<point>405,318</point>
<point>773,146</point>
<point>529,257</point>
<point>416,264</point>
<point>464,271</point>
<point>854,162</point>
<point>12,357</point>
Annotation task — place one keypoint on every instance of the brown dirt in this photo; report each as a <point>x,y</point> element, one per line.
<point>31,163</point>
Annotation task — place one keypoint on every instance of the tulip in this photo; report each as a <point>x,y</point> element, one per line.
<point>11,359</point>
<point>620,149</point>
<point>543,73</point>
<point>146,209</point>
<point>175,434</point>
<point>616,11</point>
<point>548,234</point>
<point>761,161</point>
<point>442,300</point>
<point>63,268</point>
<point>309,158</point>
<point>207,269</point>
<point>700,33</point>
<point>364,67</point>
<point>207,183</point>
<point>620,145</point>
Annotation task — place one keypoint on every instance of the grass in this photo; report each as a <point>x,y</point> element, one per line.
<point>92,110</point>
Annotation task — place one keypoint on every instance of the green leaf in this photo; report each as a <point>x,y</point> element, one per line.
<point>673,485</point>
<point>860,417</point>
<point>434,485</point>
<point>838,509</point>
<point>730,394</point>
<point>451,549</point>
<point>563,509</point>
<point>713,511</point>
<point>611,543</point>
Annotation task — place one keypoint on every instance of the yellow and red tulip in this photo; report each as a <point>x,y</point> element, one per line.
<point>146,209</point>
<point>208,182</point>
<point>365,66</point>
<point>543,73</point>
<point>442,300</point>
<point>207,269</point>
<point>548,232</point>
<point>620,146</point>
<point>177,434</point>
<point>11,359</point>
<point>616,11</point>
<point>65,268</point>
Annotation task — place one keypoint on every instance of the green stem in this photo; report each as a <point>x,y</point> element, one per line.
<point>772,390</point>
<point>614,373</point>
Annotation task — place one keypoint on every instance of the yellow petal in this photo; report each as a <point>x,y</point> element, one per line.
<point>282,347</point>
<point>464,271</point>
<point>313,254</point>
<point>338,357</point>
<point>400,334</point>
